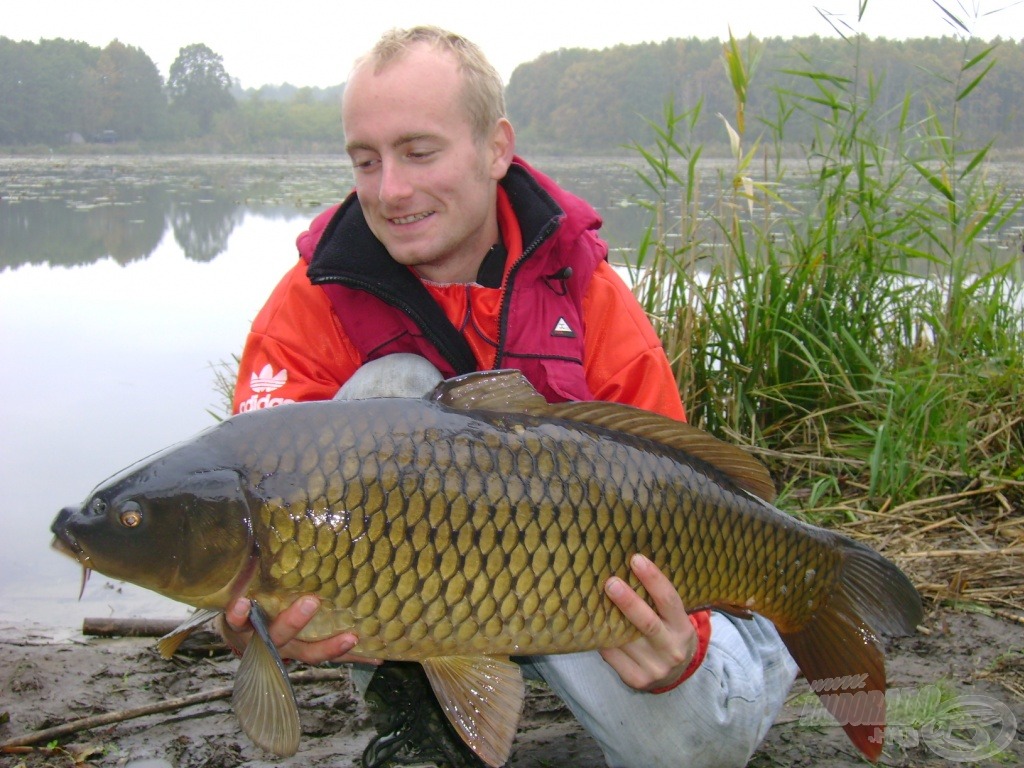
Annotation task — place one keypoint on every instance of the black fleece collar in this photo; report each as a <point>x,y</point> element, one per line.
<point>348,249</point>
<point>349,254</point>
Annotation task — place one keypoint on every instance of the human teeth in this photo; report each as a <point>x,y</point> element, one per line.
<point>410,219</point>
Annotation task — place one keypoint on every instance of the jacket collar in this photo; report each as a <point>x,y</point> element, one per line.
<point>348,252</point>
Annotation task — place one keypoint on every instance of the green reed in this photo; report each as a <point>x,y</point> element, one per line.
<point>870,336</point>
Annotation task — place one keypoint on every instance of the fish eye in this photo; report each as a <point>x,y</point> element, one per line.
<point>131,514</point>
<point>98,506</point>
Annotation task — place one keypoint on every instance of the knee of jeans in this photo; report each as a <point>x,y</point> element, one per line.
<point>398,375</point>
<point>648,750</point>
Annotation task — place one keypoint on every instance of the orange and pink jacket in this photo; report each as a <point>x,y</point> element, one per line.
<point>561,314</point>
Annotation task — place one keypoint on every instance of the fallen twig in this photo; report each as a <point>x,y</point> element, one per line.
<point>1013,550</point>
<point>116,627</point>
<point>168,705</point>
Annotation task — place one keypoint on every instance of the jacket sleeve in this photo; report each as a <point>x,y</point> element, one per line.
<point>624,358</point>
<point>296,349</point>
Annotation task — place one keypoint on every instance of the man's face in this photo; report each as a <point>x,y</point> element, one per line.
<point>426,183</point>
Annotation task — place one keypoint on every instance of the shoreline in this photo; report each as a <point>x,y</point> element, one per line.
<point>48,679</point>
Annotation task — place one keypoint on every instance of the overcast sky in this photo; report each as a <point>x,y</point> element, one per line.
<point>313,42</point>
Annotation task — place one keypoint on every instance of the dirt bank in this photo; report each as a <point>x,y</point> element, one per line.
<point>967,671</point>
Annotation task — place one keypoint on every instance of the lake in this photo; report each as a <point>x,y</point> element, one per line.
<point>126,284</point>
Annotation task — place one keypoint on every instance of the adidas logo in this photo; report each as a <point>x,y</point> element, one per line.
<point>267,381</point>
<point>264,382</point>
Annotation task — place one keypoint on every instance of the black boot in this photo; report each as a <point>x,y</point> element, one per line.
<point>412,729</point>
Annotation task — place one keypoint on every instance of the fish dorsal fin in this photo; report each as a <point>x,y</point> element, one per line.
<point>483,698</point>
<point>169,643</point>
<point>508,391</point>
<point>263,698</point>
<point>742,468</point>
<point>505,391</point>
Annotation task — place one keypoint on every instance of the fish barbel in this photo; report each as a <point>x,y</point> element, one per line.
<point>475,524</point>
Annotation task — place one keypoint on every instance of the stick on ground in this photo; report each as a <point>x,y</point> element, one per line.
<point>168,705</point>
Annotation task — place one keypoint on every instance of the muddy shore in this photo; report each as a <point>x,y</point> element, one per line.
<point>960,691</point>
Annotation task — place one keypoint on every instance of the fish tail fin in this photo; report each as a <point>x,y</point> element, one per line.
<point>839,650</point>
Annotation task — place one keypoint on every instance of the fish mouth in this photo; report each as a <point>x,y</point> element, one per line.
<point>65,548</point>
<point>64,540</point>
<point>65,543</point>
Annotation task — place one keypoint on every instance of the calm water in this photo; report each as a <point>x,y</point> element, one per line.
<point>123,284</point>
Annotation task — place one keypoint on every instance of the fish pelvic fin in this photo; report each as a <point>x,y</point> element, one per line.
<point>483,698</point>
<point>839,650</point>
<point>169,643</point>
<point>263,698</point>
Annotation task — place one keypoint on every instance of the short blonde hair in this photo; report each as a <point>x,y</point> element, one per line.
<point>483,92</point>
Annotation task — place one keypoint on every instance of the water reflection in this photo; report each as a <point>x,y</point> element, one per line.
<point>75,212</point>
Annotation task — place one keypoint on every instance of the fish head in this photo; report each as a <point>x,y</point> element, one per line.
<point>177,528</point>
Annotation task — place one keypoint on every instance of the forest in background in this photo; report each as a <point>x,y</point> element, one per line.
<point>56,93</point>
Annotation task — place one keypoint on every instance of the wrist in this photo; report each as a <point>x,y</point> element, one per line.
<point>701,621</point>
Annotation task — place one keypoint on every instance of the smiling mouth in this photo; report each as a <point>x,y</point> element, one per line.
<point>410,219</point>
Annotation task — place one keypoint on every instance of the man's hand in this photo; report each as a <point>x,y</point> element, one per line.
<point>285,627</point>
<point>668,639</point>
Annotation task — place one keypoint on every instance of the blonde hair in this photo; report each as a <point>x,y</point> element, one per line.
<point>483,90</point>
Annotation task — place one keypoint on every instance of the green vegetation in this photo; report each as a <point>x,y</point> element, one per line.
<point>570,101</point>
<point>576,100</point>
<point>57,93</point>
<point>871,337</point>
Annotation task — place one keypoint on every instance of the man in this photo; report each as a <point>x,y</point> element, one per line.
<point>453,249</point>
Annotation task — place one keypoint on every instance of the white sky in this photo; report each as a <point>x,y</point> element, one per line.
<point>313,42</point>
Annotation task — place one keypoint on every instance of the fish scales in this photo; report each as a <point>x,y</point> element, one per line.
<point>504,527</point>
<point>478,523</point>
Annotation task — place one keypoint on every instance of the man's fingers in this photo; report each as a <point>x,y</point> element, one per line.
<point>237,615</point>
<point>662,591</point>
<point>639,613</point>
<point>285,628</point>
<point>625,667</point>
<point>293,619</point>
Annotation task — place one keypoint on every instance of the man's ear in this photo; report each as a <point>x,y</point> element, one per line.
<point>503,148</point>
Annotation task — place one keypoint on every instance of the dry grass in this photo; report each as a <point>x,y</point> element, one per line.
<point>964,549</point>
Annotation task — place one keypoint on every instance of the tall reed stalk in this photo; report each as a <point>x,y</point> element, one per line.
<point>870,337</point>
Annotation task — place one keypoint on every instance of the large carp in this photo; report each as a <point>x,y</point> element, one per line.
<point>476,524</point>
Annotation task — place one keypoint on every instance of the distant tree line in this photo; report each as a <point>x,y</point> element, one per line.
<point>58,92</point>
<point>587,100</point>
<point>574,100</point>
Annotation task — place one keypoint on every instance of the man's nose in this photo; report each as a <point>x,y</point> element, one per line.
<point>394,182</point>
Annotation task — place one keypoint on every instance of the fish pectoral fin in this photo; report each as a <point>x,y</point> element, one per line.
<point>483,698</point>
<point>169,643</point>
<point>263,698</point>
